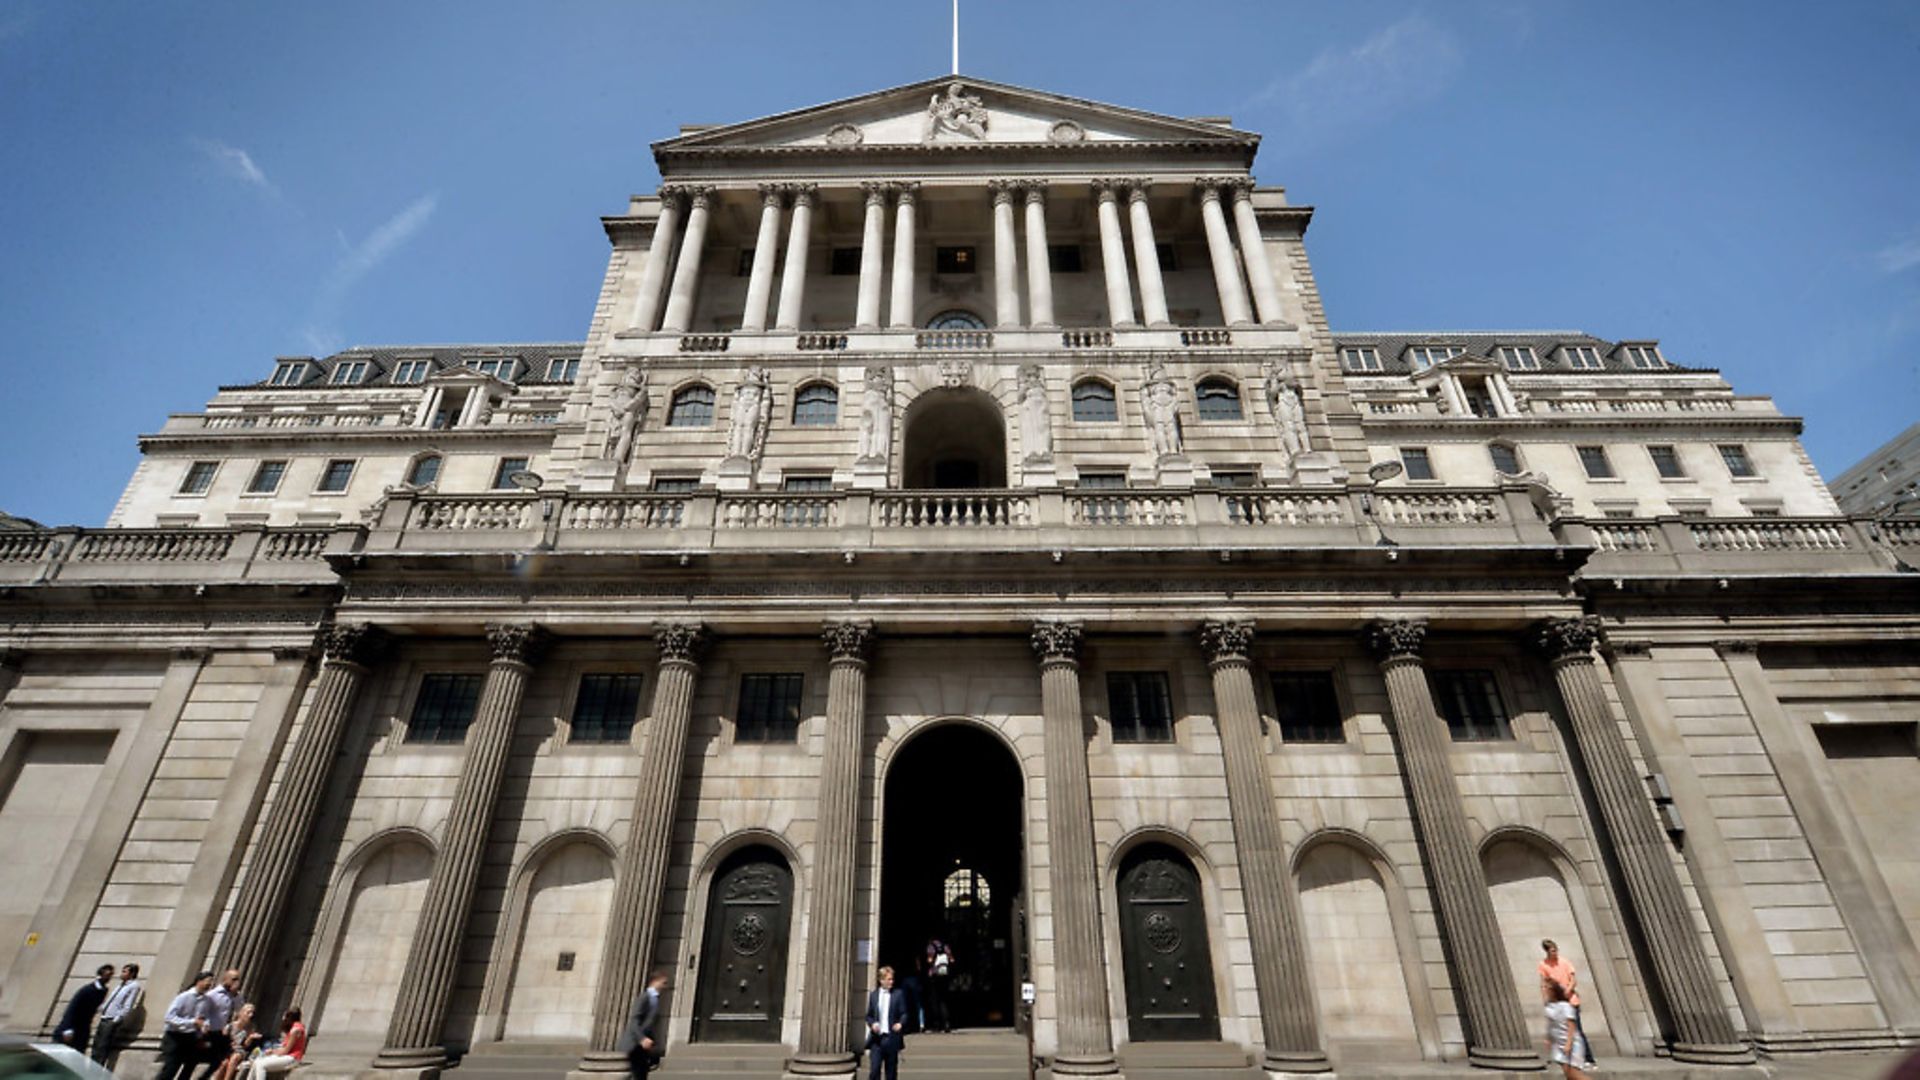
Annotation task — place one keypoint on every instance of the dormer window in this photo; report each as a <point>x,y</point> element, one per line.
<point>1479,399</point>
<point>1644,357</point>
<point>289,374</point>
<point>1519,358</point>
<point>1423,357</point>
<point>1360,358</point>
<point>566,369</point>
<point>407,372</point>
<point>498,367</point>
<point>1583,358</point>
<point>350,373</point>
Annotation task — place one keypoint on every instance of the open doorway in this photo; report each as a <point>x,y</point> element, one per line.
<point>953,868</point>
<point>955,439</point>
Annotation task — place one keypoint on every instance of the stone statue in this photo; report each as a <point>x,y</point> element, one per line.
<point>752,408</point>
<point>629,407</point>
<point>1161,400</point>
<point>959,112</point>
<point>1289,414</point>
<point>876,415</point>
<point>1036,418</point>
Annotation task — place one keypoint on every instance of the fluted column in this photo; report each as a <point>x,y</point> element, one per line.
<point>873,260</point>
<point>1079,962</point>
<point>686,275</point>
<point>1146,258</point>
<point>765,248</point>
<point>1498,1037</point>
<point>250,934</point>
<point>1039,263</point>
<point>1006,265</point>
<point>900,309</point>
<point>1253,253</point>
<point>433,959</point>
<point>1226,268</point>
<point>1703,1031</point>
<point>826,1021</point>
<point>1113,254</point>
<point>641,874</point>
<point>793,281</point>
<point>646,307</point>
<point>1289,1019</point>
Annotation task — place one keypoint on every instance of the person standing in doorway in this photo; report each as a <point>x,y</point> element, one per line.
<point>77,1022</point>
<point>1556,970</point>
<point>886,1024</point>
<point>183,1040</point>
<point>127,1000</point>
<point>936,968</point>
<point>639,1042</point>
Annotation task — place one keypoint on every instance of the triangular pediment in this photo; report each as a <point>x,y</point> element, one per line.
<point>956,111</point>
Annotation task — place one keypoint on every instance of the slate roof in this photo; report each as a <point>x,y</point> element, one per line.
<point>1486,343</point>
<point>384,358</point>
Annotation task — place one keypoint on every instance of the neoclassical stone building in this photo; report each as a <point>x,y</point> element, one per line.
<point>960,520</point>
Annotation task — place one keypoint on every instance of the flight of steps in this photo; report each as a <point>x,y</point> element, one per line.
<point>1187,1061</point>
<point>520,1059</point>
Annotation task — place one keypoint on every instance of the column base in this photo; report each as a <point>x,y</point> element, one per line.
<point>809,1066</point>
<point>1524,1059</point>
<point>408,1062</point>
<point>1279,1063</point>
<point>1085,1065</point>
<point>599,1063</point>
<point>1713,1053</point>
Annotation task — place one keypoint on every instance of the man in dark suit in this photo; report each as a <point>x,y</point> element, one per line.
<point>638,1041</point>
<point>886,1023</point>
<point>77,1022</point>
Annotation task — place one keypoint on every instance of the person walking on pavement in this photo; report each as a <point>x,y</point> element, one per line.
<point>121,1005</point>
<point>886,1021</point>
<point>77,1022</point>
<point>1556,970</point>
<point>638,1041</point>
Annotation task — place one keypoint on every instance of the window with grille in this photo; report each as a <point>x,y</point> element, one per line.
<point>1140,706</point>
<point>1519,358</point>
<point>351,373</point>
<point>336,476</point>
<point>444,708</point>
<point>266,478</point>
<point>1666,461</point>
<point>1505,458</point>
<point>1738,463</point>
<point>692,407</point>
<point>199,477</point>
<point>503,473</point>
<point>1584,358</point>
<point>954,260</point>
<point>1594,460</point>
<point>1360,359</point>
<point>1307,708</point>
<point>1644,357</point>
<point>816,405</point>
<point>425,471</point>
<point>1217,399</point>
<point>412,371</point>
<point>1415,460</point>
<point>605,708</point>
<point>769,708</point>
<point>289,375</point>
<point>1470,702</point>
<point>563,370</point>
<point>1093,403</point>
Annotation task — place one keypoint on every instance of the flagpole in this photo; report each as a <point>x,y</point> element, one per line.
<point>956,37</point>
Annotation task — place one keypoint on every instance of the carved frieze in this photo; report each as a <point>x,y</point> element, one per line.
<point>845,135</point>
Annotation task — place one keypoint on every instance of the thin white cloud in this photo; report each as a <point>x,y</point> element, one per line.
<point>236,163</point>
<point>1904,255</point>
<point>1346,87</point>
<point>357,262</point>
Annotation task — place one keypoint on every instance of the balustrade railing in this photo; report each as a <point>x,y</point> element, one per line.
<point>1246,507</point>
<point>705,343</point>
<point>1086,339</point>
<point>1206,337</point>
<point>953,339</point>
<point>952,510</point>
<point>1626,536</point>
<point>466,513</point>
<point>807,342</point>
<point>23,546</point>
<point>597,512</point>
<point>152,545</point>
<point>295,544</point>
<point>1770,534</point>
<point>1437,507</point>
<point>1137,508</point>
<point>780,511</point>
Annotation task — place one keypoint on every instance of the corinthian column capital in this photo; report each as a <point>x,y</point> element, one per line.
<point>876,191</point>
<point>681,642</point>
<point>772,194</point>
<point>353,643</point>
<point>1138,190</point>
<point>848,640</point>
<point>1004,190</point>
<point>518,643</point>
<point>1226,641</point>
<point>1396,639</point>
<point>1567,639</point>
<point>1057,641</point>
<point>700,195</point>
<point>1036,191</point>
<point>804,194</point>
<point>672,195</point>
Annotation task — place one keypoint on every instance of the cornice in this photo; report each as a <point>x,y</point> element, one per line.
<point>1019,150</point>
<point>242,437</point>
<point>1476,427</point>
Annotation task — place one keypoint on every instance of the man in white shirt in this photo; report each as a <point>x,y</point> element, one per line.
<point>886,1020</point>
<point>131,995</point>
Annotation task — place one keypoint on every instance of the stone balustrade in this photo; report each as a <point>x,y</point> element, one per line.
<point>1733,546</point>
<point>774,344</point>
<point>198,556</point>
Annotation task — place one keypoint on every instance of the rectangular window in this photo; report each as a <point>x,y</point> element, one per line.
<point>1594,460</point>
<point>1584,358</point>
<point>769,708</point>
<point>1666,461</point>
<point>675,485</point>
<point>266,478</point>
<point>503,473</point>
<point>954,260</point>
<point>1479,399</point>
<point>1234,478</point>
<point>199,477</point>
<point>498,368</point>
<point>407,372</point>
<point>1102,480</point>
<point>1519,358</point>
<point>444,708</point>
<point>563,370</point>
<point>1423,357</point>
<point>806,483</point>
<point>1064,258</point>
<point>1307,708</point>
<point>350,373</point>
<point>1414,459</point>
<point>605,708</point>
<point>1738,463</point>
<point>1470,702</point>
<point>1645,357</point>
<point>290,374</point>
<point>336,476</point>
<point>1618,514</point>
<point>1505,458</point>
<point>1141,707</point>
<point>1360,358</point>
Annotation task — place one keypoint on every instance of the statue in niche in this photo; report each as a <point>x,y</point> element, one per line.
<point>959,112</point>
<point>1289,413</point>
<point>1036,418</point>
<point>629,407</point>
<point>1161,402</point>
<point>752,409</point>
<point>876,415</point>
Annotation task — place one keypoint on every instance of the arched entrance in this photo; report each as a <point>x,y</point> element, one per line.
<point>955,438</point>
<point>953,867</point>
<point>743,964</point>
<point>1163,938</point>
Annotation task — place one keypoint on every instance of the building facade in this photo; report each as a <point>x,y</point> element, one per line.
<point>960,521</point>
<point>1885,483</point>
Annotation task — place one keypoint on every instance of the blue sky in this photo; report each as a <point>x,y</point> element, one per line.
<point>188,190</point>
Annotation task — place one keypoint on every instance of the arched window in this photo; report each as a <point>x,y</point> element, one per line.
<point>1218,399</point>
<point>425,470</point>
<point>692,407</point>
<point>956,320</point>
<point>1093,403</point>
<point>816,404</point>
